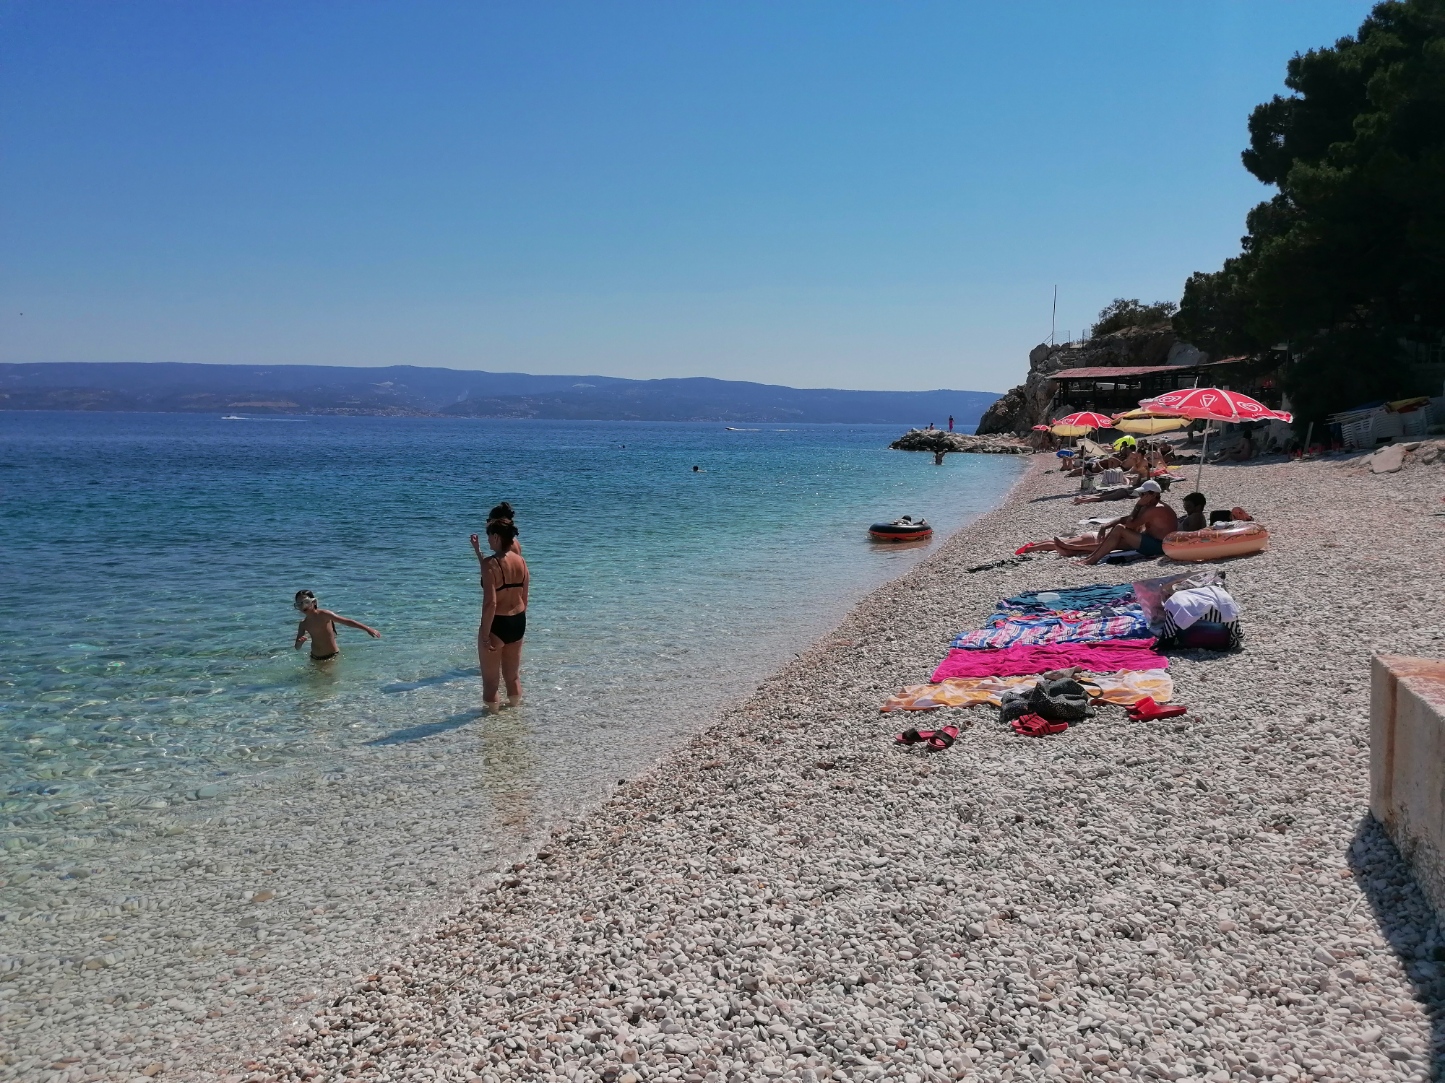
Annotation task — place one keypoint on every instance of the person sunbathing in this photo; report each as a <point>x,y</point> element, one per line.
<point>1114,484</point>
<point>1241,452</point>
<point>1137,463</point>
<point>1079,543</point>
<point>1144,530</point>
<point>1088,541</point>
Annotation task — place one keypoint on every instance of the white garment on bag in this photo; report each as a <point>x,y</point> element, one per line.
<point>1186,607</point>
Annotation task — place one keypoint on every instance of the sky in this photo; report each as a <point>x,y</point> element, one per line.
<point>820,194</point>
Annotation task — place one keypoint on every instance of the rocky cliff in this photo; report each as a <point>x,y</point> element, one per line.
<point>1033,401</point>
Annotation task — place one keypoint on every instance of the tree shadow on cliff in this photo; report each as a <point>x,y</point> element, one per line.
<point>1406,921</point>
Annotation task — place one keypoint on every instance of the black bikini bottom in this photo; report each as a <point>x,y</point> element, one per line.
<point>510,629</point>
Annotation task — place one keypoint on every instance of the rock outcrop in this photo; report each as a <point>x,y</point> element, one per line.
<point>1031,402</point>
<point>936,440</point>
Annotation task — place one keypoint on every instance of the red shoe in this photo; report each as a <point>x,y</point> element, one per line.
<point>1146,710</point>
<point>912,737</point>
<point>942,739</point>
<point>1032,725</point>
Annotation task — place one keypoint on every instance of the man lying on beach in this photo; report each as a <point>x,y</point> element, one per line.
<point>1144,529</point>
<point>1114,484</point>
<point>321,624</point>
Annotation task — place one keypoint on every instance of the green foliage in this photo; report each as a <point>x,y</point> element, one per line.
<point>1213,312</point>
<point>1350,366</point>
<point>1348,259</point>
<point>1121,313</point>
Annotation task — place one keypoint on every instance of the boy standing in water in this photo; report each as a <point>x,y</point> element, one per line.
<point>321,624</point>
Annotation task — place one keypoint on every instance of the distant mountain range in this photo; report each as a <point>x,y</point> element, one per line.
<point>403,390</point>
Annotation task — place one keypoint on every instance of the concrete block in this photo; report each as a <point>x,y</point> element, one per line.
<point>1407,763</point>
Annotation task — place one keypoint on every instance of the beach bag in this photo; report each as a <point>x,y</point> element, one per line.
<point>1151,594</point>
<point>1207,635</point>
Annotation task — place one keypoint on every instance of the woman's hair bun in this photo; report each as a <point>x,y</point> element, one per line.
<point>502,511</point>
<point>502,528</point>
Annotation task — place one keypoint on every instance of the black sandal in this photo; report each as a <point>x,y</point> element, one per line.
<point>942,739</point>
<point>913,737</point>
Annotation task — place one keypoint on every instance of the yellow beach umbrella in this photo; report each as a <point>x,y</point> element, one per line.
<point>1143,423</point>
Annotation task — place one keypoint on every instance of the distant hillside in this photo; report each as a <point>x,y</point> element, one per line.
<point>405,390</point>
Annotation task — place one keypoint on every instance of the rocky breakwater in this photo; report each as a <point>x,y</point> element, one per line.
<point>1033,401</point>
<point>937,440</point>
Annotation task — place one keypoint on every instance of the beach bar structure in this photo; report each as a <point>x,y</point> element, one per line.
<point>1121,388</point>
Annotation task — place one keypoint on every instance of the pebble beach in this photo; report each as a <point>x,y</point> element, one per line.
<point>790,896</point>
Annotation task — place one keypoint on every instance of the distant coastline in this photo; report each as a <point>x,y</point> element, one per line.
<point>409,391</point>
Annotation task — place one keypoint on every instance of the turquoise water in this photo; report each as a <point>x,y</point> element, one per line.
<point>150,560</point>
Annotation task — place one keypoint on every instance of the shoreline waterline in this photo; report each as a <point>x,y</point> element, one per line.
<point>231,913</point>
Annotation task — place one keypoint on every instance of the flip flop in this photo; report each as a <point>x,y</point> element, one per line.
<point>1146,710</point>
<point>1032,725</point>
<point>942,739</point>
<point>913,737</point>
<point>1026,725</point>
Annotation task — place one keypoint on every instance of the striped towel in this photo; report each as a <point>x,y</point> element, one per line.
<point>1039,631</point>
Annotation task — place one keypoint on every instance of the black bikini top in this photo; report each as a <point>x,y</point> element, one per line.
<point>505,585</point>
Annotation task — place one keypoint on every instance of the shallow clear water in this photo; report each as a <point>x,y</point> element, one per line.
<point>150,560</point>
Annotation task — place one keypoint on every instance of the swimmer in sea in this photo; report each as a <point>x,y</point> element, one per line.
<point>321,624</point>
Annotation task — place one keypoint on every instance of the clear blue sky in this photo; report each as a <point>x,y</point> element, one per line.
<point>877,195</point>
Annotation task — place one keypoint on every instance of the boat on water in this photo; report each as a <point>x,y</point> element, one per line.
<point>904,529</point>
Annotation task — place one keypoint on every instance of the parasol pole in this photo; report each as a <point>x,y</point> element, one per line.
<point>1203,451</point>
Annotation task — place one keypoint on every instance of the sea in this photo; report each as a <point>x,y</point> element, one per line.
<point>150,560</point>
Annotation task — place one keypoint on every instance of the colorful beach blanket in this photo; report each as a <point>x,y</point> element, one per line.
<point>1096,596</point>
<point>1126,622</point>
<point>1110,656</point>
<point>1127,687</point>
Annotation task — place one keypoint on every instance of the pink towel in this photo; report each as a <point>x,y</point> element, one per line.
<point>1106,657</point>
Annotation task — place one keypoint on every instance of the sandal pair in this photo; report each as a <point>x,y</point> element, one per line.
<point>937,740</point>
<point>1033,725</point>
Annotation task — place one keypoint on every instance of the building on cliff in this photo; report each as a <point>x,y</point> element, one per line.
<point>1113,372</point>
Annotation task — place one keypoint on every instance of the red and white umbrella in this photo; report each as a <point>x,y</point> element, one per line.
<point>1212,404</point>
<point>1086,419</point>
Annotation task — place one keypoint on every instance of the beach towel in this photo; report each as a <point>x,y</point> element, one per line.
<point>1035,630</point>
<point>1107,657</point>
<point>1126,687</point>
<point>1052,601</point>
<point>1127,556</point>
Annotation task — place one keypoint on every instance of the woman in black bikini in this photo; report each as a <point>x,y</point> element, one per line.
<point>505,583</point>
